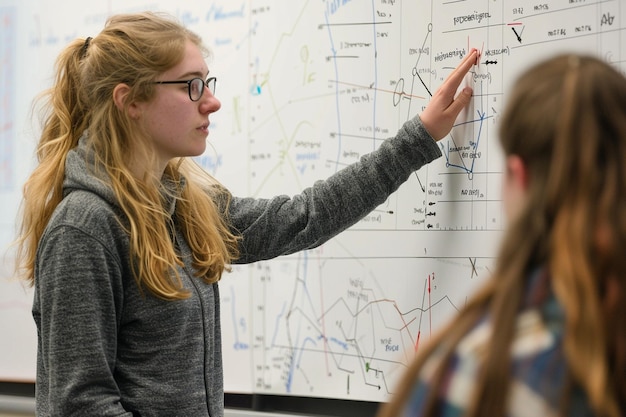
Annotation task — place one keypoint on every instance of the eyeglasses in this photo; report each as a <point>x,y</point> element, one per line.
<point>195,86</point>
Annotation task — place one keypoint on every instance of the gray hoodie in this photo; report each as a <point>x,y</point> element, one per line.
<point>107,348</point>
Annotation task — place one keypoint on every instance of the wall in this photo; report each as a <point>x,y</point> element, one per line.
<point>307,87</point>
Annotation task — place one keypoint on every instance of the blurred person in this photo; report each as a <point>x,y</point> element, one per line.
<point>546,335</point>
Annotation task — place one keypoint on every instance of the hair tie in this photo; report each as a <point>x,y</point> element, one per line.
<point>83,50</point>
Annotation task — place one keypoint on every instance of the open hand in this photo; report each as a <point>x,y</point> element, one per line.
<point>439,116</point>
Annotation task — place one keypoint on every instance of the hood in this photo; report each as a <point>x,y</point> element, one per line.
<point>82,174</point>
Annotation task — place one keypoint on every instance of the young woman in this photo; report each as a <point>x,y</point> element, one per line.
<point>546,336</point>
<point>125,241</point>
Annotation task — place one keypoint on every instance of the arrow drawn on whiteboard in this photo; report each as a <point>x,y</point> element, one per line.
<point>517,35</point>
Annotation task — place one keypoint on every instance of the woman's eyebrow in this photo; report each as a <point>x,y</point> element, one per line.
<point>193,74</point>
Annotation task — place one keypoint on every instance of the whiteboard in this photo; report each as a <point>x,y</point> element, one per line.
<point>307,87</point>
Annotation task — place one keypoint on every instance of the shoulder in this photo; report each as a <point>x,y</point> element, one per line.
<point>88,214</point>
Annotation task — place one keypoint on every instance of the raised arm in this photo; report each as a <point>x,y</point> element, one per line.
<point>284,224</point>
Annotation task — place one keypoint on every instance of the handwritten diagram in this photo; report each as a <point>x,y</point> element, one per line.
<point>343,321</point>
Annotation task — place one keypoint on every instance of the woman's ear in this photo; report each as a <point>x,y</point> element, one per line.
<point>120,96</point>
<point>517,172</point>
<point>515,186</point>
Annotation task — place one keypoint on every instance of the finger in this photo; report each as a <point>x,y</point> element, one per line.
<point>454,79</point>
<point>470,59</point>
<point>460,102</point>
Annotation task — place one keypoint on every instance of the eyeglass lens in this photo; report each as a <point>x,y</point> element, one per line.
<point>196,87</point>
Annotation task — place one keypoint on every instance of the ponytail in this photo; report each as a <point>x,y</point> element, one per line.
<point>63,125</point>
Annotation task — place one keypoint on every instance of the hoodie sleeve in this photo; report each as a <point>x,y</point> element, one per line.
<point>283,225</point>
<point>76,307</point>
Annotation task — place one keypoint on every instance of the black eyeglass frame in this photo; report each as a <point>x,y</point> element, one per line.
<point>205,83</point>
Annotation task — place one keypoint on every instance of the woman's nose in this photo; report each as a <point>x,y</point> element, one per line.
<point>208,102</point>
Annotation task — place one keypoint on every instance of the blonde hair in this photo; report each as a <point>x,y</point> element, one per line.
<point>132,49</point>
<point>566,118</point>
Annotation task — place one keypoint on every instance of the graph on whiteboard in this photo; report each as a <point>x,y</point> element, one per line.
<point>308,88</point>
<point>323,89</point>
